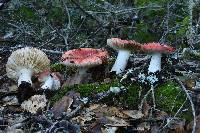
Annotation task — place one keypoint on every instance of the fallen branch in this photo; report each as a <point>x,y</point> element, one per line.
<point>52,51</point>
<point>169,121</point>
<point>88,14</point>
<point>191,102</point>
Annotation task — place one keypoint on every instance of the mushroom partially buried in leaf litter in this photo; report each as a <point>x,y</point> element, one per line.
<point>50,80</point>
<point>124,48</point>
<point>156,50</point>
<point>83,59</point>
<point>34,103</point>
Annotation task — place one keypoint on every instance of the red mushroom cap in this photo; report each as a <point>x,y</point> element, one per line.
<point>84,57</point>
<point>57,75</point>
<point>117,43</point>
<point>157,47</point>
<point>43,74</point>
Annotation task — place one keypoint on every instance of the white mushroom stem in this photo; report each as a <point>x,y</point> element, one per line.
<point>121,61</point>
<point>48,83</point>
<point>25,75</point>
<point>155,63</point>
<point>82,71</point>
<point>80,75</point>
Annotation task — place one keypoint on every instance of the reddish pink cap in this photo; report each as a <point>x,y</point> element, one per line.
<point>157,47</point>
<point>43,74</point>
<point>56,75</point>
<point>46,73</point>
<point>117,43</point>
<point>84,57</point>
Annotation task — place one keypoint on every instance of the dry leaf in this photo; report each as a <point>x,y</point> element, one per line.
<point>86,116</point>
<point>135,114</point>
<point>61,106</point>
<point>190,125</point>
<point>146,108</point>
<point>176,124</point>
<point>143,127</point>
<point>94,106</point>
<point>116,122</point>
<point>113,111</point>
<point>161,115</point>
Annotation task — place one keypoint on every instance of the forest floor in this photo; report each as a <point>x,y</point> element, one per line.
<point>110,103</point>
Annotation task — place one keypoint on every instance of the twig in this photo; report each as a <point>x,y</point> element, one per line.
<point>190,34</point>
<point>47,42</point>
<point>138,8</point>
<point>52,51</point>
<point>175,100</point>
<point>168,122</point>
<point>82,9</point>
<point>143,99</point>
<point>191,102</point>
<point>126,74</point>
<point>65,37</point>
<point>68,15</point>
<point>166,23</point>
<point>68,25</point>
<point>153,97</point>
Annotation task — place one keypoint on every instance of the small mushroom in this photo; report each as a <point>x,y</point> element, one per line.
<point>35,103</point>
<point>156,49</point>
<point>124,48</point>
<point>84,58</point>
<point>50,80</point>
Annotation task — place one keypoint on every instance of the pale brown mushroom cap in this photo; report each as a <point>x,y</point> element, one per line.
<point>84,57</point>
<point>118,44</point>
<point>34,103</point>
<point>28,58</point>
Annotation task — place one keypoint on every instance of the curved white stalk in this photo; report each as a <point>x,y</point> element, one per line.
<point>25,75</point>
<point>155,63</point>
<point>121,61</point>
<point>48,83</point>
<point>56,84</point>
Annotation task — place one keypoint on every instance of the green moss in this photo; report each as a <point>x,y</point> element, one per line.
<point>197,46</point>
<point>190,55</point>
<point>129,99</point>
<point>170,97</point>
<point>85,89</point>
<point>57,67</point>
